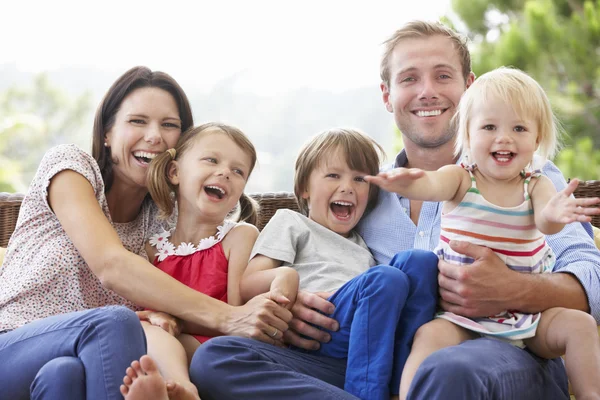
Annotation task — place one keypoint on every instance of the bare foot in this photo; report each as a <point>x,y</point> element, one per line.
<point>180,391</point>
<point>143,381</point>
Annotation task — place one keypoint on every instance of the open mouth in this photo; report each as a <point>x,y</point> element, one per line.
<point>214,191</point>
<point>503,156</point>
<point>341,209</point>
<point>430,113</point>
<point>144,157</point>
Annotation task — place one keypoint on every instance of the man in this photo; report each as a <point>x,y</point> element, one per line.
<point>425,70</point>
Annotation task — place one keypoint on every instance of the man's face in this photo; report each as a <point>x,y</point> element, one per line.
<point>426,83</point>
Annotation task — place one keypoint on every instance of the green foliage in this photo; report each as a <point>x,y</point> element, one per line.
<point>32,120</point>
<point>580,160</point>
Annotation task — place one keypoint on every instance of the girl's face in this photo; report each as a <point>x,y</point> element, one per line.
<point>146,124</point>
<point>211,176</point>
<point>337,196</point>
<point>501,142</point>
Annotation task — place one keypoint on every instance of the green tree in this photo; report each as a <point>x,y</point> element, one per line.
<point>33,119</point>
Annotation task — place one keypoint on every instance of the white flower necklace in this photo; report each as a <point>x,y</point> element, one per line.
<point>165,248</point>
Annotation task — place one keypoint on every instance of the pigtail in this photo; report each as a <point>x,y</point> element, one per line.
<point>159,186</point>
<point>248,210</point>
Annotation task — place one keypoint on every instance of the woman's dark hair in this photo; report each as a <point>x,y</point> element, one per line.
<point>135,78</point>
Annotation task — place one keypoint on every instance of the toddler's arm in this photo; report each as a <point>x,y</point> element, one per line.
<point>417,184</point>
<point>237,246</point>
<point>558,209</point>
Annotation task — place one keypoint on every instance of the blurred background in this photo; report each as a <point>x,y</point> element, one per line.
<point>281,71</point>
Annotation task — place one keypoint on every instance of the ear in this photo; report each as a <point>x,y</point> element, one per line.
<point>173,173</point>
<point>107,136</point>
<point>470,79</point>
<point>306,195</point>
<point>385,93</point>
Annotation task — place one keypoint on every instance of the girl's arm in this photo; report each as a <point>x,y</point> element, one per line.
<point>265,274</point>
<point>72,199</point>
<point>553,210</point>
<point>416,184</point>
<point>238,244</point>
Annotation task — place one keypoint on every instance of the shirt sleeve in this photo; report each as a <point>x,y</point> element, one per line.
<point>280,237</point>
<point>576,252</point>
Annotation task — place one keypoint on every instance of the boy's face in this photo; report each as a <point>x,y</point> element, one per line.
<point>337,196</point>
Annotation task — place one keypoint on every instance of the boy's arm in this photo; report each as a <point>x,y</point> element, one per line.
<point>553,210</point>
<point>416,184</point>
<point>265,274</point>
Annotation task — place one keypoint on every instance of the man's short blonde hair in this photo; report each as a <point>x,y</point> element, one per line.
<point>361,152</point>
<point>424,29</point>
<point>528,99</point>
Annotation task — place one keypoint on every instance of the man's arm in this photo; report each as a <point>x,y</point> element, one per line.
<point>487,286</point>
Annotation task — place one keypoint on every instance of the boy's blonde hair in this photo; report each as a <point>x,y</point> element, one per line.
<point>162,190</point>
<point>511,86</point>
<point>362,154</point>
<point>419,30</point>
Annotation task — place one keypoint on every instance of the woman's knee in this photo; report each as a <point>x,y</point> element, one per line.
<point>62,377</point>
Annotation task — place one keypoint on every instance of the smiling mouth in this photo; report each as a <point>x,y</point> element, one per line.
<point>144,157</point>
<point>503,156</point>
<point>214,191</point>
<point>430,113</point>
<point>341,209</point>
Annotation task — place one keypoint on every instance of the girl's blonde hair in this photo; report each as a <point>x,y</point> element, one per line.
<point>514,87</point>
<point>162,190</point>
<point>362,154</point>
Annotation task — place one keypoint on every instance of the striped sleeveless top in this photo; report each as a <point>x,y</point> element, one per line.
<point>511,233</point>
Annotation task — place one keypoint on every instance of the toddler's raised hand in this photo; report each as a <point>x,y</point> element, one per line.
<point>564,209</point>
<point>397,179</point>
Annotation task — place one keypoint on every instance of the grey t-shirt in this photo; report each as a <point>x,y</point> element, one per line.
<point>324,259</point>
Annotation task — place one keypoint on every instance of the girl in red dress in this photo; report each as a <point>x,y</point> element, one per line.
<point>204,176</point>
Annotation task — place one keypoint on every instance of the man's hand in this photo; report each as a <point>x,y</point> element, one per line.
<point>305,316</point>
<point>167,322</point>
<point>486,287</point>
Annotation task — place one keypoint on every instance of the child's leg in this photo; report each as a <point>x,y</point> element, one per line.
<point>368,308</point>
<point>573,333</point>
<point>190,345</point>
<point>431,337</point>
<point>172,363</point>
<point>421,269</point>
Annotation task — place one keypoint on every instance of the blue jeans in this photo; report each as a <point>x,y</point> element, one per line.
<point>378,311</point>
<point>71,356</point>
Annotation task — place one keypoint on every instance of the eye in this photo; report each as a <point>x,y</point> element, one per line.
<point>239,172</point>
<point>137,121</point>
<point>408,79</point>
<point>360,179</point>
<point>335,176</point>
<point>445,76</point>
<point>520,128</point>
<point>211,160</point>
<point>171,125</point>
<point>489,127</point>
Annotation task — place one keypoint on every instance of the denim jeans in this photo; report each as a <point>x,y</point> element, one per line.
<point>80,355</point>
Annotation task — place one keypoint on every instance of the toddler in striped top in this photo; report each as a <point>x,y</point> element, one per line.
<point>497,199</point>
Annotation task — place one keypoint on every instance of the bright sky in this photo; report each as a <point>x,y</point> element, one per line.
<point>275,45</point>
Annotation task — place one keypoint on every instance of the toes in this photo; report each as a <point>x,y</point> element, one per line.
<point>137,368</point>
<point>127,381</point>
<point>130,373</point>
<point>124,390</point>
<point>148,365</point>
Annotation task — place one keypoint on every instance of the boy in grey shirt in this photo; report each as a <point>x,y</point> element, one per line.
<point>379,308</point>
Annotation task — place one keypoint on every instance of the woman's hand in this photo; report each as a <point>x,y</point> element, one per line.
<point>260,318</point>
<point>167,322</point>
<point>309,310</point>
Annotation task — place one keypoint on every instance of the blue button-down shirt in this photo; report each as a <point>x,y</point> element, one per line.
<point>388,229</point>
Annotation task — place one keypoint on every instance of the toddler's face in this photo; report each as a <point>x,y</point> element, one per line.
<point>337,196</point>
<point>501,141</point>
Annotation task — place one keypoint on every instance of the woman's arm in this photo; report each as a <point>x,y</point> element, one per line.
<point>416,184</point>
<point>238,244</point>
<point>72,199</point>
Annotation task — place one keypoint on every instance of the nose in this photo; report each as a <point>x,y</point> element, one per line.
<point>428,89</point>
<point>346,188</point>
<point>224,172</point>
<point>153,136</point>
<point>503,136</point>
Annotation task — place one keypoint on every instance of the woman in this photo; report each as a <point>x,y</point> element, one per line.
<point>79,245</point>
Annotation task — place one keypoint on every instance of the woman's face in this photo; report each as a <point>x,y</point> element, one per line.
<point>147,123</point>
